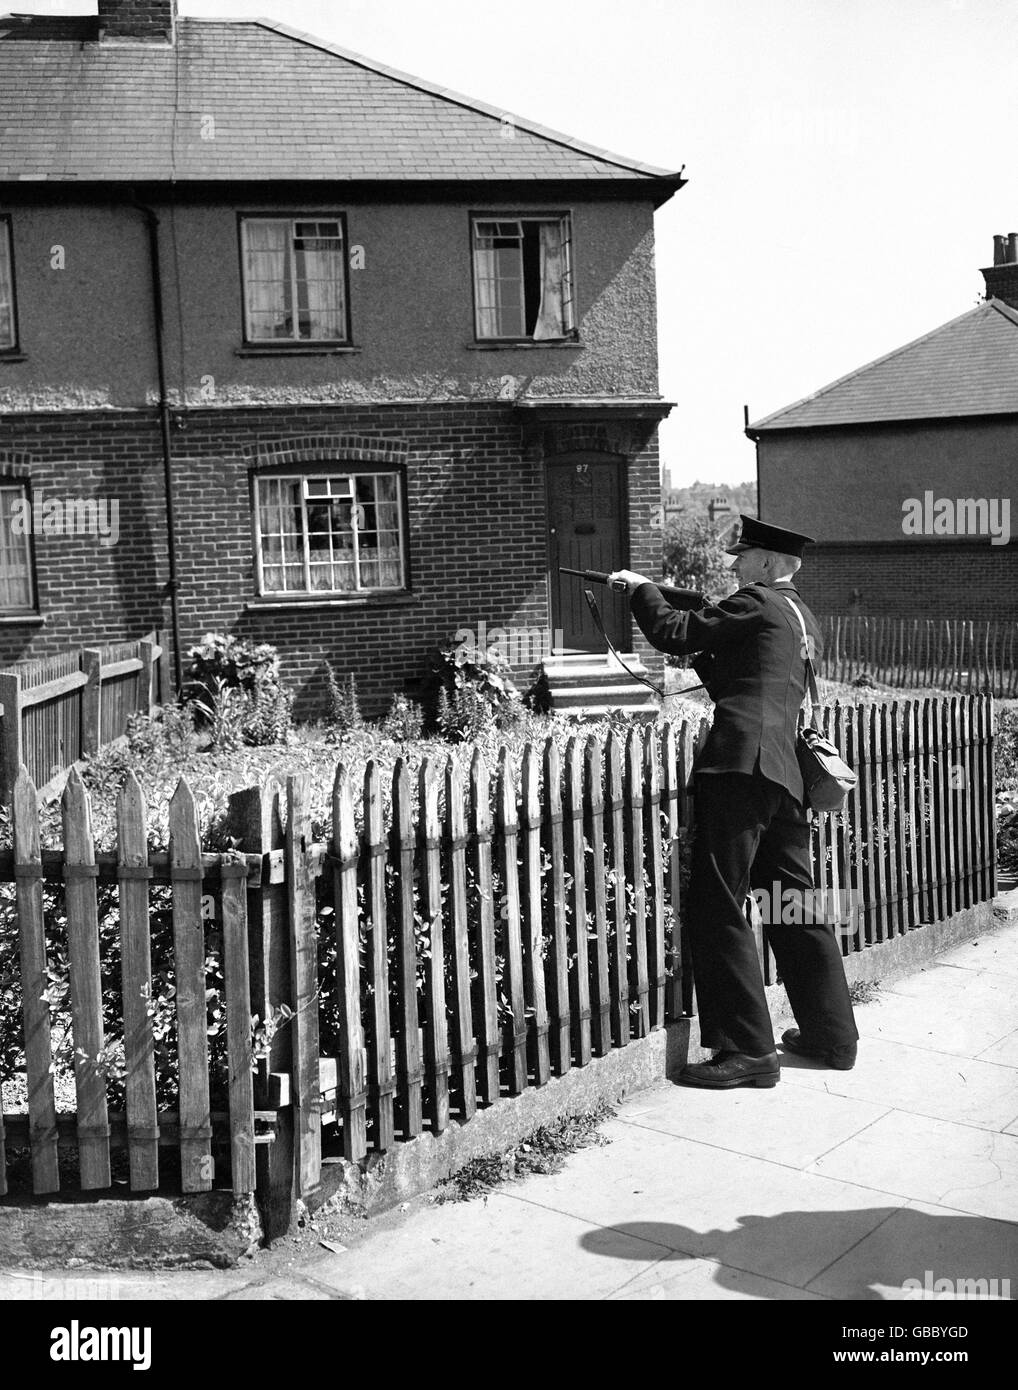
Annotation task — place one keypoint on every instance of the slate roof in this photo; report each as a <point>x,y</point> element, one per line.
<point>286,106</point>
<point>966,367</point>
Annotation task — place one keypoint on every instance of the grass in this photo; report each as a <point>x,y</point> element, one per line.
<point>543,1151</point>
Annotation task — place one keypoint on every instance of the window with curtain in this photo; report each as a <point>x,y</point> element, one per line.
<point>333,533</point>
<point>8,327</point>
<point>17,593</point>
<point>294,280</point>
<point>523,280</point>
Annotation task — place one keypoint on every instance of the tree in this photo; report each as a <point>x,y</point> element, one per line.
<point>694,558</point>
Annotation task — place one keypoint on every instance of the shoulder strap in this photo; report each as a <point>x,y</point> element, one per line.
<point>811,680</point>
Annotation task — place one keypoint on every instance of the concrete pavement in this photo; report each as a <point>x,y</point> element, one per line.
<point>833,1185</point>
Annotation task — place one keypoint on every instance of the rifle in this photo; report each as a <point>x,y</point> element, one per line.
<point>678,598</point>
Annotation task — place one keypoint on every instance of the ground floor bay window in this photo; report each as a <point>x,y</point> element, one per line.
<point>329,534</point>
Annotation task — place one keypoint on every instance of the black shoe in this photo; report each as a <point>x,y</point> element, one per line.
<point>729,1069</point>
<point>838,1058</point>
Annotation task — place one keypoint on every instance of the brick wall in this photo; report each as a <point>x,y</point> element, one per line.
<point>137,19</point>
<point>946,579</point>
<point>477,530</point>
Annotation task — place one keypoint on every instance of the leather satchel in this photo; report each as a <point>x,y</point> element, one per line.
<point>826,777</point>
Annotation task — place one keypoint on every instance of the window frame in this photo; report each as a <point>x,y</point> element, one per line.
<point>9,483</point>
<point>292,344</point>
<point>561,215</point>
<point>13,349</point>
<point>321,470</point>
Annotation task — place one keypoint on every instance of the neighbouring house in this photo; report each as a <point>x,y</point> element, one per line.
<point>301,348</point>
<point>905,470</point>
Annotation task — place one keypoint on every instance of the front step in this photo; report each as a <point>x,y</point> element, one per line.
<point>589,686</point>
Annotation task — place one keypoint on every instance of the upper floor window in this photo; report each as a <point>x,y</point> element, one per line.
<point>331,533</point>
<point>295,286</point>
<point>8,324</point>
<point>523,277</point>
<point>17,591</point>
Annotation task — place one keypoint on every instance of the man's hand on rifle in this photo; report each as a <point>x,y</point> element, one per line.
<point>630,578</point>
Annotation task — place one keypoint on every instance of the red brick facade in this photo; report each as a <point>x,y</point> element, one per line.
<point>475,516</point>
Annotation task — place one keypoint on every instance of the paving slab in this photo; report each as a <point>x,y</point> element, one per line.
<point>679,1278</point>
<point>997,952</point>
<point>489,1249</point>
<point>785,1125</point>
<point>943,1008</point>
<point>959,1166</point>
<point>754,1215</point>
<point>918,1080</point>
<point>1004,1053</point>
<point>923,1237</point>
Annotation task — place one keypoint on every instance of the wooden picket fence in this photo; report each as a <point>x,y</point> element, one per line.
<point>955,654</point>
<point>58,709</point>
<point>467,932</point>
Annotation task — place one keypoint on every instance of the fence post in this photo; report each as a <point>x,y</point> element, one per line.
<point>255,823</point>
<point>163,665</point>
<point>146,655</point>
<point>91,664</point>
<point>306,1091</point>
<point>13,751</point>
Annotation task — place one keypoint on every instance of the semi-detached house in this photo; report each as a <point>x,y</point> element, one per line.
<point>359,360</point>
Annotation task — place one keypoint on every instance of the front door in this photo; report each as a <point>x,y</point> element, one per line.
<point>586,531</point>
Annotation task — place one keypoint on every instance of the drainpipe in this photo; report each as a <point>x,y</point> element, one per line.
<point>164,426</point>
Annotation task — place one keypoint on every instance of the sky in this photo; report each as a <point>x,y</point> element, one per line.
<point>849,162</point>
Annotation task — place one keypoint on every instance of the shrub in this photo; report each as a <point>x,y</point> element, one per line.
<point>464,714</point>
<point>453,671</point>
<point>1005,748</point>
<point>344,707</point>
<point>224,712</point>
<point>405,720</point>
<point>269,716</point>
<point>238,663</point>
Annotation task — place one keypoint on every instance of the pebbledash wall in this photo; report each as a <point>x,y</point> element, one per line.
<point>77,419</point>
<point>476,518</point>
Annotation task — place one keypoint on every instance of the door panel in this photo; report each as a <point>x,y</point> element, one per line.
<point>586,530</point>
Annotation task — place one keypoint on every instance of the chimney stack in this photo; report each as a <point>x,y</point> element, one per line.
<point>137,21</point>
<point>1002,277</point>
<point>717,508</point>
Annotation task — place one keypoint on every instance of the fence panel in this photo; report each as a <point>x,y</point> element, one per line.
<point>949,654</point>
<point>584,906</point>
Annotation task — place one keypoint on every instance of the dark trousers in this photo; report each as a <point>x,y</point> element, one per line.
<point>752,834</point>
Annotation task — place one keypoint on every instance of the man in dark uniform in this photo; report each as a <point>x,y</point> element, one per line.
<point>752,827</point>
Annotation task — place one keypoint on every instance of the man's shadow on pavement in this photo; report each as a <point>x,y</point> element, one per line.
<point>794,1247</point>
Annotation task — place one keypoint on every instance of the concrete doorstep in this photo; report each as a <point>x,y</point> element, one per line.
<point>897,1180</point>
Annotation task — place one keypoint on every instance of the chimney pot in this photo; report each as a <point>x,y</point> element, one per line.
<point>999,252</point>
<point>1012,248</point>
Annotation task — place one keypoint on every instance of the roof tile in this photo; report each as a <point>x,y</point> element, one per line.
<point>285,107</point>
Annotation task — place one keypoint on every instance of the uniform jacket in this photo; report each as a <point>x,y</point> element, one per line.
<point>750,659</point>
